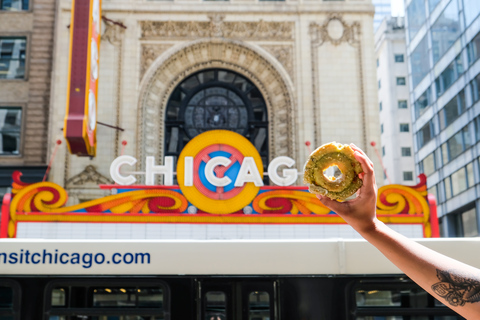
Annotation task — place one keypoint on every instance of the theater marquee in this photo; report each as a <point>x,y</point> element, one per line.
<point>220,181</point>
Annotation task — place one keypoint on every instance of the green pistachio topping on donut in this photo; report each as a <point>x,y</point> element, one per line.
<point>328,155</point>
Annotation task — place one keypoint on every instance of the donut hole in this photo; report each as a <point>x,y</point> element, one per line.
<point>333,173</point>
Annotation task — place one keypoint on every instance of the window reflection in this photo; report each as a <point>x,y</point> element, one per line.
<point>259,306</point>
<point>475,87</point>
<point>473,49</point>
<point>416,16</point>
<point>215,305</point>
<point>449,75</point>
<point>428,164</point>
<point>425,134</point>
<point>422,103</point>
<point>10,130</point>
<point>12,58</point>
<point>14,5</point>
<point>452,110</point>
<point>472,12</point>
<point>445,31</point>
<point>420,62</point>
<point>456,145</point>
<point>432,4</point>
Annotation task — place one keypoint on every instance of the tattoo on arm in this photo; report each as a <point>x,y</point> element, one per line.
<point>457,287</point>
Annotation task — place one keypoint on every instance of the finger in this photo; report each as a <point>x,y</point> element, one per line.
<point>367,167</point>
<point>333,205</point>
<point>355,148</point>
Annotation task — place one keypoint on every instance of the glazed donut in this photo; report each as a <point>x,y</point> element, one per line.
<point>326,156</point>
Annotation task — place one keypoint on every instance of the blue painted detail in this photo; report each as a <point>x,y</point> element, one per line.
<point>231,173</point>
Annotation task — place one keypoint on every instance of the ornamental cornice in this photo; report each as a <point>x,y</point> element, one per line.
<point>216,27</point>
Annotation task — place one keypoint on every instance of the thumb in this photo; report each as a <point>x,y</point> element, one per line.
<point>333,205</point>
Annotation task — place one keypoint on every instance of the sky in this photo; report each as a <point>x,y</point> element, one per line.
<point>397,8</point>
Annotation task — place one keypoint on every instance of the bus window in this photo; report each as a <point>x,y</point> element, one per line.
<point>409,318</point>
<point>259,305</point>
<point>107,300</point>
<point>215,305</point>
<point>399,299</point>
<point>58,297</point>
<point>9,300</point>
<point>128,297</point>
<point>6,297</point>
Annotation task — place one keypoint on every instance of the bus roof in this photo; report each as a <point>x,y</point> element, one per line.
<point>211,257</point>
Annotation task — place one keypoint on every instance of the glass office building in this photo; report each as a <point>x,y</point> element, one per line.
<point>443,47</point>
<point>383,9</point>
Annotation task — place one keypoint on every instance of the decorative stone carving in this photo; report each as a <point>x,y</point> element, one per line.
<point>113,33</point>
<point>89,174</point>
<point>335,30</point>
<point>202,54</point>
<point>150,52</point>
<point>217,27</point>
<point>284,54</point>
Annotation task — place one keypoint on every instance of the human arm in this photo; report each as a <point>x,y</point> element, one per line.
<point>455,284</point>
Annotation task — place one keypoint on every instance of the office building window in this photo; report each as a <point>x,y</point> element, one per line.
<point>470,176</point>
<point>471,9</point>
<point>378,63</point>
<point>452,110</point>
<point>445,31</point>
<point>425,134</point>
<point>448,188</point>
<point>432,4</point>
<point>14,5</point>
<point>476,122</point>
<point>383,151</point>
<point>399,58</point>
<point>449,75</point>
<point>422,103</point>
<point>456,145</point>
<point>381,128</point>
<point>406,152</point>
<point>401,81</point>
<point>10,129</point>
<point>419,61</point>
<point>433,190</point>
<point>473,49</point>
<point>459,181</point>
<point>404,127</point>
<point>427,165</point>
<point>475,87</point>
<point>380,105</point>
<point>379,84</point>
<point>12,58</point>
<point>402,104</point>
<point>463,224</point>
<point>408,175</point>
<point>416,16</point>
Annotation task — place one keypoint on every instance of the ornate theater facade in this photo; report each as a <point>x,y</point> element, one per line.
<point>272,79</point>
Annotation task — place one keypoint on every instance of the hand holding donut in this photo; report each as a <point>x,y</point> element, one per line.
<point>358,212</point>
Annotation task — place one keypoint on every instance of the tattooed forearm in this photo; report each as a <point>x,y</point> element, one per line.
<point>457,287</point>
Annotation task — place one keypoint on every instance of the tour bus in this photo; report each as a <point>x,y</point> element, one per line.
<point>214,280</point>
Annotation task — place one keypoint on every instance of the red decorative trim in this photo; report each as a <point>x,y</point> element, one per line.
<point>5,215</point>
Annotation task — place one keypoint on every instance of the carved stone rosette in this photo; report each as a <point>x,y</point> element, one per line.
<point>214,53</point>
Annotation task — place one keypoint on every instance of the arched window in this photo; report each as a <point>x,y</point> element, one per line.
<point>216,99</point>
